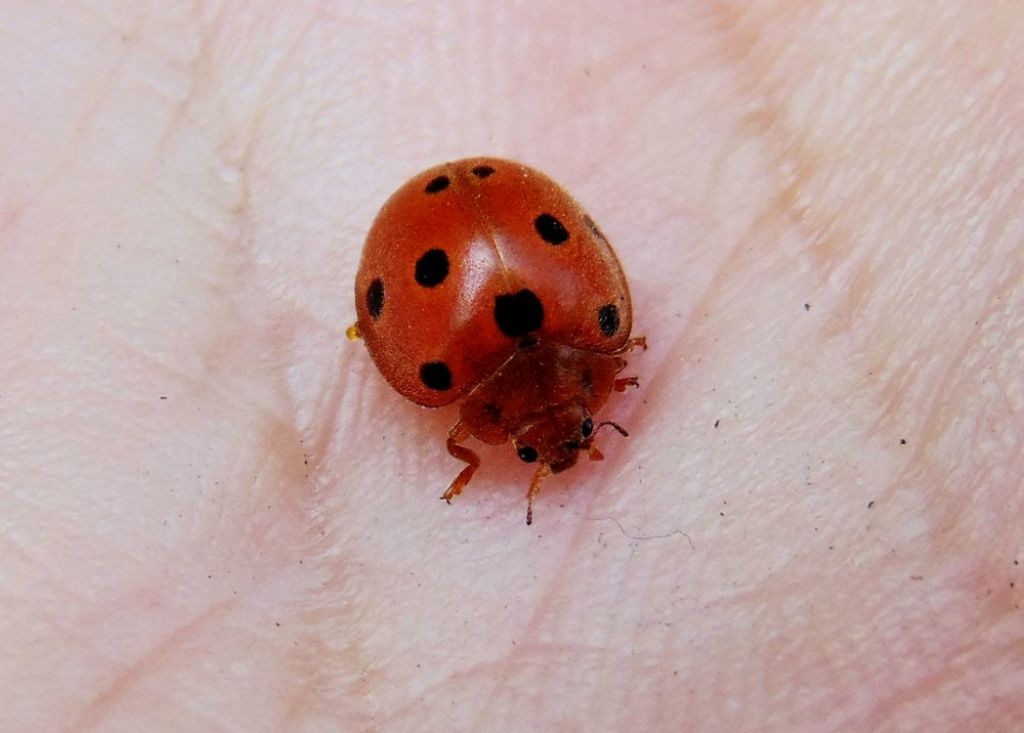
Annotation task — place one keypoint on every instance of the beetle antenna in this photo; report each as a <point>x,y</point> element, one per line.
<point>618,427</point>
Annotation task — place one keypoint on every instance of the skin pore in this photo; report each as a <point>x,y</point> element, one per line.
<point>217,516</point>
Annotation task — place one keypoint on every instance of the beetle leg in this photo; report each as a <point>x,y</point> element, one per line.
<point>623,382</point>
<point>640,342</point>
<point>637,342</point>
<point>542,471</point>
<point>457,434</point>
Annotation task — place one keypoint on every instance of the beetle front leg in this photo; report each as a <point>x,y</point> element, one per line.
<point>542,471</point>
<point>623,382</point>
<point>637,342</point>
<point>457,434</point>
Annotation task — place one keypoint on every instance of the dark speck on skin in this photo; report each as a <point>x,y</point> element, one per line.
<point>903,441</point>
<point>807,306</point>
<point>716,423</point>
<point>871,504</point>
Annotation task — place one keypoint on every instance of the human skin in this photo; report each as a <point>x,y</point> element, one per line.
<point>216,515</point>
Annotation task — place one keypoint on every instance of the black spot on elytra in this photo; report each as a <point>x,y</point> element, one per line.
<point>482,171</point>
<point>432,268</point>
<point>375,298</point>
<point>437,185</point>
<point>518,313</point>
<point>436,375</point>
<point>493,412</point>
<point>608,319</point>
<point>550,229</point>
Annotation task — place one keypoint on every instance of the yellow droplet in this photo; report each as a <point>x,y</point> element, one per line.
<point>353,332</point>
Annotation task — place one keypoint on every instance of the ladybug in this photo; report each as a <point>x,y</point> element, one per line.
<point>483,282</point>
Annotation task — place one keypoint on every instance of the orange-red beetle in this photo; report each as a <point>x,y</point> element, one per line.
<point>483,281</point>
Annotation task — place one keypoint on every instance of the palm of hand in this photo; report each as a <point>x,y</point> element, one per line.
<point>217,514</point>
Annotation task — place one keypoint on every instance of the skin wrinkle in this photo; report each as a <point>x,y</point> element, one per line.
<point>107,82</point>
<point>531,628</point>
<point>150,662</point>
<point>196,68</point>
<point>763,624</point>
<point>509,664</point>
<point>950,526</point>
<point>886,708</point>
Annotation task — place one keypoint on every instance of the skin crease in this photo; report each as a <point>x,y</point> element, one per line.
<point>215,515</point>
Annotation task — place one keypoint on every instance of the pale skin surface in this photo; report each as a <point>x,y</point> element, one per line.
<point>215,515</point>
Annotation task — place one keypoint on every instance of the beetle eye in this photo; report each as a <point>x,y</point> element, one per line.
<point>527,454</point>
<point>587,427</point>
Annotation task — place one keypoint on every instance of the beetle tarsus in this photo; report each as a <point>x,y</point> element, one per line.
<point>543,471</point>
<point>455,435</point>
